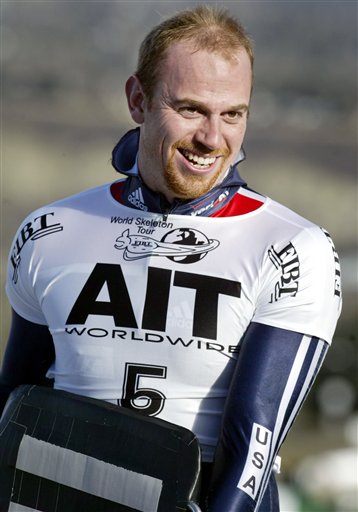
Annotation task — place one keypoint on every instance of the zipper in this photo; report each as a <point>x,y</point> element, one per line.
<point>168,208</point>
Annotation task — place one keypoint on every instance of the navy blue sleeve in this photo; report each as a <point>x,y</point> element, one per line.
<point>274,373</point>
<point>28,355</point>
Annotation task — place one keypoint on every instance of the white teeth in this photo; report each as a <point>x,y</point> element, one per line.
<point>199,159</point>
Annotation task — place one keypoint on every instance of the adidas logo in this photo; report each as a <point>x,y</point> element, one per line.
<point>137,200</point>
<point>180,316</point>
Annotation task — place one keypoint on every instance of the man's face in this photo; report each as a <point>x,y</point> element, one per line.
<point>194,127</point>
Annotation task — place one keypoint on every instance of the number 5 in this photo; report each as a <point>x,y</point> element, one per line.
<point>146,401</point>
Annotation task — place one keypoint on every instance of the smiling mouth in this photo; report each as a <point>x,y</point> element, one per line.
<point>200,162</point>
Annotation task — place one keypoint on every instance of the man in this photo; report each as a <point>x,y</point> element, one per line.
<point>191,297</point>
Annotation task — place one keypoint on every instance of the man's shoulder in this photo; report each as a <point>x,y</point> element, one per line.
<point>89,200</point>
<point>250,201</point>
<point>93,201</point>
<point>281,222</point>
<point>303,232</point>
<point>85,196</point>
<point>286,215</point>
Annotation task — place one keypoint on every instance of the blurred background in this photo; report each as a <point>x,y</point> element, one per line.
<point>64,65</point>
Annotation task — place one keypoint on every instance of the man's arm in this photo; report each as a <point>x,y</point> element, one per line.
<point>274,373</point>
<point>28,355</point>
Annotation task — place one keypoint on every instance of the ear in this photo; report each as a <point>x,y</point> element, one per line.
<point>135,99</point>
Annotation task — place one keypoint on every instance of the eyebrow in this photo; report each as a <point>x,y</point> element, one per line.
<point>202,106</point>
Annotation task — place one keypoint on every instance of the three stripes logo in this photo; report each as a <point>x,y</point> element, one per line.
<point>137,200</point>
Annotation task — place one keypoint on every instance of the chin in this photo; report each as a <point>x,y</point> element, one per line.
<point>185,185</point>
<point>189,191</point>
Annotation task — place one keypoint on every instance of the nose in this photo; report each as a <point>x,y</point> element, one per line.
<point>209,133</point>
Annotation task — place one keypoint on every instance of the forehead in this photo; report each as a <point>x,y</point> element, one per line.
<point>199,74</point>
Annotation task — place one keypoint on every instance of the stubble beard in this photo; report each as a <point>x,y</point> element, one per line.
<point>188,186</point>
